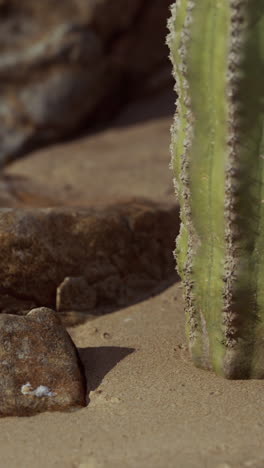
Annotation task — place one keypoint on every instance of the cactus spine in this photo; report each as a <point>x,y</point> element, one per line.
<point>217,49</point>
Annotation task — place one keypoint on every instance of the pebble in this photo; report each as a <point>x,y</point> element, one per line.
<point>40,369</point>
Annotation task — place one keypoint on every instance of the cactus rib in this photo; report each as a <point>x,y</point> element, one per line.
<point>217,50</point>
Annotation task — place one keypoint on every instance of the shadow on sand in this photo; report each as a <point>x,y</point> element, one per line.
<point>98,361</point>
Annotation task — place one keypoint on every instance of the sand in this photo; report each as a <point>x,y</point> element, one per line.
<point>149,406</point>
<point>129,159</point>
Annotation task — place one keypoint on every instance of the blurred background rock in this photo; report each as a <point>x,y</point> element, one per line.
<point>70,66</point>
<point>86,104</point>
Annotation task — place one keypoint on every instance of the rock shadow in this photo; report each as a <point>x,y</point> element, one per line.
<point>98,361</point>
<point>149,108</point>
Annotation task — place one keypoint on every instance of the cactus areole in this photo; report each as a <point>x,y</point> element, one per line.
<point>217,50</point>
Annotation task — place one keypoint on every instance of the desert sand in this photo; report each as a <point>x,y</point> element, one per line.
<point>128,159</point>
<point>148,405</point>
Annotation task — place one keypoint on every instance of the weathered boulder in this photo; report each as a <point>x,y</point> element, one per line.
<point>39,366</point>
<point>65,65</point>
<point>86,259</point>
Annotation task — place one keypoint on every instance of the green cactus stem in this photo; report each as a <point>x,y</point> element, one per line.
<point>217,50</point>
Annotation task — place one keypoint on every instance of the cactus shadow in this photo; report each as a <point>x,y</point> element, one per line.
<point>99,361</point>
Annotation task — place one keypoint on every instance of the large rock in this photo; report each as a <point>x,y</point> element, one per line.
<point>39,366</point>
<point>86,259</point>
<point>65,65</point>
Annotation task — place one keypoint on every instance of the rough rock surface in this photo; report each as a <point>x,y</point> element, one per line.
<point>66,65</point>
<point>75,294</point>
<point>85,259</point>
<point>39,366</point>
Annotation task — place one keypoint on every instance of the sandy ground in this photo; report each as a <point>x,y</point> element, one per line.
<point>131,158</point>
<point>149,407</point>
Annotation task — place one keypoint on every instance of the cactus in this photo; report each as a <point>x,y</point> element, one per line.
<point>217,50</point>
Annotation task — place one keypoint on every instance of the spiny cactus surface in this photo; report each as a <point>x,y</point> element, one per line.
<point>217,49</point>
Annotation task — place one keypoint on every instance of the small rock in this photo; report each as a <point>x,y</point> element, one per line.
<point>106,336</point>
<point>75,294</point>
<point>39,366</point>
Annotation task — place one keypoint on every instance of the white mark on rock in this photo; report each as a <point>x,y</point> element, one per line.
<point>40,391</point>
<point>26,389</point>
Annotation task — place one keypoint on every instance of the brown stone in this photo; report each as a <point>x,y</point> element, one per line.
<point>75,294</point>
<point>86,259</point>
<point>39,366</point>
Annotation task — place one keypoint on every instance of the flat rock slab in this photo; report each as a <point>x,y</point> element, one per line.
<point>39,366</point>
<point>85,259</point>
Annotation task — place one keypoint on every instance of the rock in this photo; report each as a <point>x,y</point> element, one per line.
<point>87,259</point>
<point>13,305</point>
<point>75,294</point>
<point>64,65</point>
<point>39,366</point>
